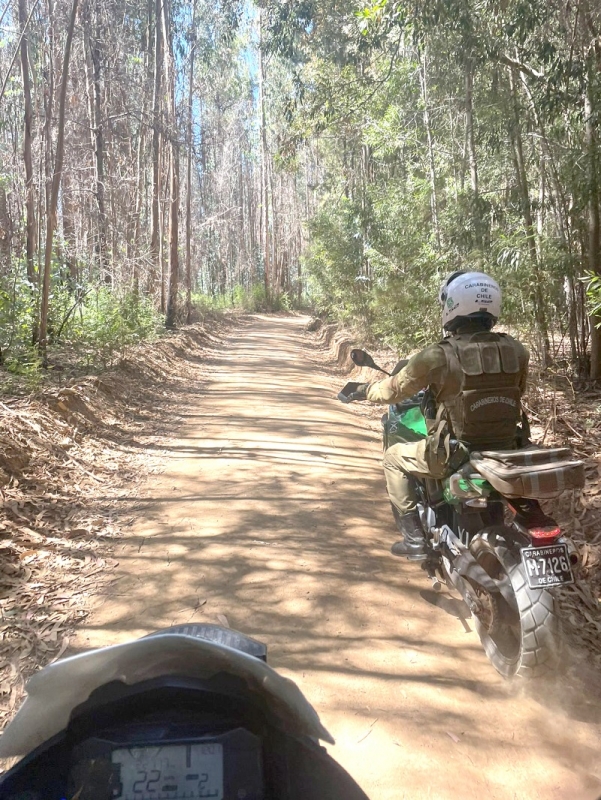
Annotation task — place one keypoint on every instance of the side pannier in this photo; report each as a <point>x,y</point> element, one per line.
<point>534,472</point>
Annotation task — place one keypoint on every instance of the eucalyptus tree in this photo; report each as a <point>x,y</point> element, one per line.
<point>378,145</point>
<point>452,134</point>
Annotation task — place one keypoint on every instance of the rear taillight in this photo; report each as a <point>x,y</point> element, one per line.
<point>546,535</point>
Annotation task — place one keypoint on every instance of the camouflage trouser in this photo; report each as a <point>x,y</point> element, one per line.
<point>400,461</point>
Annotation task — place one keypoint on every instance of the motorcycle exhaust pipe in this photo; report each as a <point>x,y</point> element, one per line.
<point>434,579</point>
<point>573,553</point>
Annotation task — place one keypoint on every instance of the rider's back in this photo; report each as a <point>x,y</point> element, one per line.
<point>480,387</point>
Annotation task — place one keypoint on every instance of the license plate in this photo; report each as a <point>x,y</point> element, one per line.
<point>547,566</point>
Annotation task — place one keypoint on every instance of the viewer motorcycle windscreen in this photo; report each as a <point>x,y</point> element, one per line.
<point>57,690</point>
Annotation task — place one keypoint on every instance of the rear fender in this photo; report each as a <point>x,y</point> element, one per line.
<point>514,539</point>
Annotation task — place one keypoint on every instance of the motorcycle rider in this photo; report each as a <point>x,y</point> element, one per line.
<point>476,379</point>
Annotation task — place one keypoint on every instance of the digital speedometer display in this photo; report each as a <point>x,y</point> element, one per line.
<point>173,772</point>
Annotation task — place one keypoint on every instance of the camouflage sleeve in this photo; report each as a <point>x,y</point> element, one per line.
<point>423,369</point>
<point>524,359</point>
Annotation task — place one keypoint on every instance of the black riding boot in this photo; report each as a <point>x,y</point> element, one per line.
<point>413,545</point>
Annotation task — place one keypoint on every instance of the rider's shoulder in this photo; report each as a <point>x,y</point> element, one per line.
<point>480,336</point>
<point>433,355</point>
<point>449,343</point>
<point>520,346</point>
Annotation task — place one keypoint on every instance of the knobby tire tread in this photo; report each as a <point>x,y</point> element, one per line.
<point>541,648</point>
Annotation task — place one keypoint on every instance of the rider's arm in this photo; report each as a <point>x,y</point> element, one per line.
<point>524,359</point>
<point>423,369</point>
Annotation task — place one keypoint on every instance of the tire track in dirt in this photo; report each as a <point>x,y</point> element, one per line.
<point>271,510</point>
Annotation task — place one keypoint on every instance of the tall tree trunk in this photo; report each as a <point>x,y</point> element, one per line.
<point>30,236</point>
<point>92,38</point>
<point>522,180</point>
<point>155,254</point>
<point>165,163</point>
<point>135,277</point>
<point>242,249</point>
<point>48,100</point>
<point>69,235</point>
<point>140,193</point>
<point>170,320</point>
<point>454,153</point>
<point>542,202</point>
<point>594,226</point>
<point>190,145</point>
<point>275,283</point>
<point>469,126</point>
<point>470,146</point>
<point>431,161</point>
<point>264,178</point>
<point>56,180</point>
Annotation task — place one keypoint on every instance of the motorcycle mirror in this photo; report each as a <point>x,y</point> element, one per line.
<point>363,359</point>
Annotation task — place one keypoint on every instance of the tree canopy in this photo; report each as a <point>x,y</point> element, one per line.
<point>347,154</point>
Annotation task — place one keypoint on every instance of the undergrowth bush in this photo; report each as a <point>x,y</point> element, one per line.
<point>100,323</point>
<point>375,264</point>
<point>592,283</point>
<point>88,326</point>
<point>18,309</point>
<point>251,299</point>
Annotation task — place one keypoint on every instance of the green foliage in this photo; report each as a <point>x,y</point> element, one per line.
<point>101,323</point>
<point>250,299</point>
<point>18,308</point>
<point>335,260</point>
<point>87,326</point>
<point>592,283</point>
<point>412,187</point>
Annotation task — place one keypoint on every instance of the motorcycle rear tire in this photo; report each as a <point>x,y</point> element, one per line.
<point>531,647</point>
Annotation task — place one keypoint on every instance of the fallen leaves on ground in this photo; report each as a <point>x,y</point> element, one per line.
<point>65,456</point>
<point>563,415</point>
<point>55,538</point>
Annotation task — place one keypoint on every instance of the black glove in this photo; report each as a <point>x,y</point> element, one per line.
<point>353,391</point>
<point>360,393</point>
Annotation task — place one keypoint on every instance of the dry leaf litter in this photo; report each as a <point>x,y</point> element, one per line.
<point>65,456</point>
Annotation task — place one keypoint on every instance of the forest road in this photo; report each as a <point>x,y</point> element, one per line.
<point>271,510</point>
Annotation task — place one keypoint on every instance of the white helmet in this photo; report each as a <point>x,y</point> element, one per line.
<point>469,294</point>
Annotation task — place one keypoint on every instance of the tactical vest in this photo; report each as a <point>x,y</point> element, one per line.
<point>487,408</point>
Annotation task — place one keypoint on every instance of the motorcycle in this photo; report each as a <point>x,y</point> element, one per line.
<point>192,712</point>
<point>488,538</point>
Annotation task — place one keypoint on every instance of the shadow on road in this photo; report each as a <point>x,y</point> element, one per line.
<point>271,510</point>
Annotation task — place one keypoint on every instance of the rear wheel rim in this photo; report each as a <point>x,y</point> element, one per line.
<point>498,622</point>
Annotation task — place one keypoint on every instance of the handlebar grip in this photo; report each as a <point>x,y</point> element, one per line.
<point>349,392</point>
<point>358,396</point>
<point>352,397</point>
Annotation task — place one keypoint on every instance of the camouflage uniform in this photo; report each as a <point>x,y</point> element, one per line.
<point>472,362</point>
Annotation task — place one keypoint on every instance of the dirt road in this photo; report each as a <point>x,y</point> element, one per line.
<point>271,510</point>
